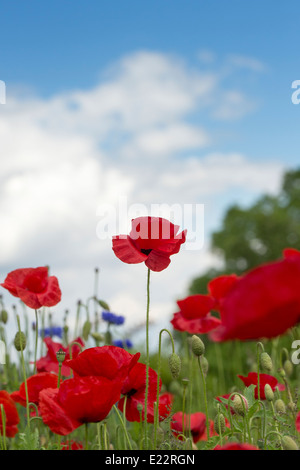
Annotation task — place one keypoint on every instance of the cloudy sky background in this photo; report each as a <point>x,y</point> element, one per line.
<point>126,108</point>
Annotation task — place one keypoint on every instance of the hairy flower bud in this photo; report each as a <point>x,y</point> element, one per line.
<point>288,367</point>
<point>266,362</point>
<point>197,345</point>
<point>238,406</point>
<point>204,364</point>
<point>4,316</point>
<point>269,392</point>
<point>175,365</point>
<point>279,406</point>
<point>288,443</point>
<point>86,329</point>
<point>220,423</point>
<point>20,341</point>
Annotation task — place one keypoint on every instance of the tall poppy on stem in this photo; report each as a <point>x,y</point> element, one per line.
<point>152,241</point>
<point>36,289</point>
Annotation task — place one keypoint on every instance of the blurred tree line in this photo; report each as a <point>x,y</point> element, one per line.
<point>249,237</point>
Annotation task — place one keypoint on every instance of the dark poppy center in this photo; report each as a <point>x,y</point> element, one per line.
<point>131,392</point>
<point>146,252</point>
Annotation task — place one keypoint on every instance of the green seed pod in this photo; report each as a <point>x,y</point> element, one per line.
<point>238,406</point>
<point>185,382</point>
<point>86,329</point>
<point>288,367</point>
<point>175,365</point>
<point>139,407</point>
<point>279,406</point>
<point>60,355</point>
<point>269,392</point>
<point>266,362</point>
<point>197,345</point>
<point>220,423</point>
<point>288,443</point>
<point>4,316</point>
<point>20,341</point>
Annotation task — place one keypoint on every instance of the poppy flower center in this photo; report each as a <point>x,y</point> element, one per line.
<point>35,284</point>
<point>146,252</point>
<point>131,392</point>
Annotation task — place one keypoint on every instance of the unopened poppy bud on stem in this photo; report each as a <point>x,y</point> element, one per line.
<point>4,316</point>
<point>288,443</point>
<point>175,365</point>
<point>239,407</point>
<point>220,423</point>
<point>288,367</point>
<point>266,362</point>
<point>280,406</point>
<point>197,344</point>
<point>269,394</point>
<point>20,341</point>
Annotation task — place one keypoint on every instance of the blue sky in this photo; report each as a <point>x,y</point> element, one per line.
<point>158,102</point>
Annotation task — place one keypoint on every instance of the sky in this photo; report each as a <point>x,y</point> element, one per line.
<point>117,109</point>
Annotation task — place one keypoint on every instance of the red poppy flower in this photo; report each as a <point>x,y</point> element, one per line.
<point>77,401</point>
<point>298,422</point>
<point>11,414</point>
<point>35,384</point>
<point>49,362</point>
<point>71,445</point>
<point>236,446</point>
<point>264,379</point>
<point>134,389</point>
<point>152,240</point>
<point>34,287</point>
<point>220,286</point>
<point>105,361</point>
<point>264,303</point>
<point>195,422</point>
<point>194,315</point>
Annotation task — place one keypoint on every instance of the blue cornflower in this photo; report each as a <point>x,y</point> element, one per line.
<point>123,344</point>
<point>112,318</point>
<point>52,331</point>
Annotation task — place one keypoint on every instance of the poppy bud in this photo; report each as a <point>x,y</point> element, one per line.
<point>288,443</point>
<point>175,365</point>
<point>86,329</point>
<point>97,336</point>
<point>20,341</point>
<point>197,344</point>
<point>238,406</point>
<point>280,406</point>
<point>219,423</point>
<point>60,355</point>
<point>4,316</point>
<point>269,394</point>
<point>266,362</point>
<point>288,367</point>
<point>282,373</point>
<point>204,363</point>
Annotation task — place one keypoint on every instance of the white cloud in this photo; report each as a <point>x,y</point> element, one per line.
<point>134,134</point>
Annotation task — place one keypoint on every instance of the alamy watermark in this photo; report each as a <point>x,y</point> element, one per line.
<point>116,220</point>
<point>2,352</point>
<point>2,92</point>
<point>296,94</point>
